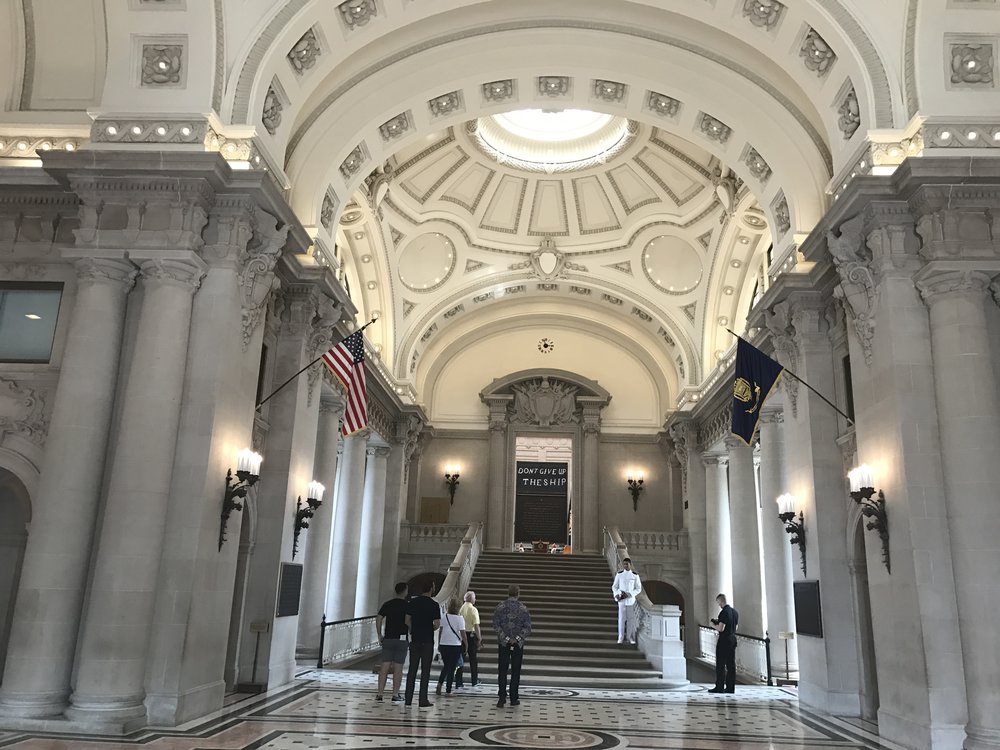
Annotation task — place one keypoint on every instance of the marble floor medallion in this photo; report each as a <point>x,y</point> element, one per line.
<point>558,738</point>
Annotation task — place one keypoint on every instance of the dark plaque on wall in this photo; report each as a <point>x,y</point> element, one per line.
<point>540,518</point>
<point>537,478</point>
<point>808,613</point>
<point>289,589</point>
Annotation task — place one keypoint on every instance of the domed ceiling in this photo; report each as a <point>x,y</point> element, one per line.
<point>618,219</point>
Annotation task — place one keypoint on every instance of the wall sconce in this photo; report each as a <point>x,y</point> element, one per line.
<point>797,529</point>
<point>248,473</point>
<point>635,487</point>
<point>872,504</point>
<point>451,479</point>
<point>302,515</point>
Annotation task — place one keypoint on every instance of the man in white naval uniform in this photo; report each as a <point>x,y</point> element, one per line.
<point>625,589</point>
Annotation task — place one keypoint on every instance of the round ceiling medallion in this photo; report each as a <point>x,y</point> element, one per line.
<point>426,262</point>
<point>671,264</point>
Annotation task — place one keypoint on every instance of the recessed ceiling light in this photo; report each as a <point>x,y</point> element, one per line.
<point>371,285</point>
<point>136,130</point>
<point>359,235</point>
<point>735,263</point>
<point>32,316</point>
<point>366,258</point>
<point>728,291</point>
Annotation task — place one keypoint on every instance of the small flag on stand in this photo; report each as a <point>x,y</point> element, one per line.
<point>347,362</point>
<point>756,375</point>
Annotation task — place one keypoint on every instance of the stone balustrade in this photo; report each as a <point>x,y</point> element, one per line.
<point>656,541</point>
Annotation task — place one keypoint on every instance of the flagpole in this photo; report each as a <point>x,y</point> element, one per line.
<point>792,374</point>
<point>275,391</point>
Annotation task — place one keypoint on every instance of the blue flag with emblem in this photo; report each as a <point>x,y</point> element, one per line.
<point>756,376</point>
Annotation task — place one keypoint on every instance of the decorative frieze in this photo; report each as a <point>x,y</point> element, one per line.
<point>764,14</point>
<point>162,65</point>
<point>393,128</point>
<point>759,168</point>
<point>353,162</point>
<point>609,91</point>
<point>30,146</point>
<point>304,54</point>
<point>22,412</point>
<point>446,104</point>
<point>816,54</point>
<point>972,64</point>
<point>858,286</point>
<point>713,128</point>
<point>498,91</point>
<point>357,13</point>
<point>661,104</point>
<point>328,209</point>
<point>553,86</point>
<point>270,115</point>
<point>849,114</point>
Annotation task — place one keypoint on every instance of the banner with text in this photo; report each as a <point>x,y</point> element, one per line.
<point>541,511</point>
<point>537,478</point>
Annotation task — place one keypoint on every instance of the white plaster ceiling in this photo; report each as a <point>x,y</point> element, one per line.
<point>658,238</point>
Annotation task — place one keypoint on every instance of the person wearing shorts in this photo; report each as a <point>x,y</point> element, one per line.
<point>392,634</point>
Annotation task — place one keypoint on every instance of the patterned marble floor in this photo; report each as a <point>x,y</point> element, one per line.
<point>338,710</point>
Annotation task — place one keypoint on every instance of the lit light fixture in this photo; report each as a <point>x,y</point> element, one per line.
<point>314,499</point>
<point>451,480</point>
<point>635,481</point>
<point>248,473</point>
<point>872,504</point>
<point>32,316</point>
<point>797,529</point>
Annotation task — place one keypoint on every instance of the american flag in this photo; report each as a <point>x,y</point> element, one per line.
<point>347,361</point>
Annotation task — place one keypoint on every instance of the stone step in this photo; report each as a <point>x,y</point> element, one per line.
<point>549,659</point>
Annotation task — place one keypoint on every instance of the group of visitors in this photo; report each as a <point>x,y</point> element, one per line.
<point>419,618</point>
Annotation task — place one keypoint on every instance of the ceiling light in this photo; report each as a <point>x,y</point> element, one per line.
<point>945,135</point>
<point>728,291</point>
<point>366,258</point>
<point>161,130</point>
<point>371,285</point>
<point>185,130</point>
<point>32,316</point>
<point>359,235</point>
<point>136,130</point>
<point>70,146</point>
<point>723,321</point>
<point>22,146</point>
<point>972,135</point>
<point>744,240</point>
<point>111,130</point>
<point>735,263</point>
<point>46,146</point>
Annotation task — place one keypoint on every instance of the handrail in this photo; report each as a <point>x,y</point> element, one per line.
<point>759,669</point>
<point>456,582</point>
<point>361,637</point>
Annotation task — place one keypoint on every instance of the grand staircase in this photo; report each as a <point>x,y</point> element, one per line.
<point>574,621</point>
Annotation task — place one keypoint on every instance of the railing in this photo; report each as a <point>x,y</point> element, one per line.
<point>437,538</point>
<point>343,639</point>
<point>456,583</point>
<point>753,655</point>
<point>658,626</point>
<point>660,541</point>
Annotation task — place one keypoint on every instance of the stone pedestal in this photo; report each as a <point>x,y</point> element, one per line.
<point>366,600</point>
<point>969,417</point>
<point>719,543</point>
<point>56,559</point>
<point>319,541</point>
<point>347,529</point>
<point>116,630</point>
<point>748,591</point>
<point>777,550</point>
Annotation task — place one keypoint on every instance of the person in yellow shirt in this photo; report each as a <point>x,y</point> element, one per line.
<point>475,637</point>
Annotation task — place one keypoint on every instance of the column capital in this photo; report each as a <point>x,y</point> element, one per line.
<point>332,403</point>
<point>106,270</point>
<point>714,459</point>
<point>378,451</point>
<point>772,416</point>
<point>937,286</point>
<point>733,443</point>
<point>186,274</point>
<point>359,436</point>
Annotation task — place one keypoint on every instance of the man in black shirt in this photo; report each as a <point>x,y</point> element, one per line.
<point>725,647</point>
<point>393,640</point>
<point>423,617</point>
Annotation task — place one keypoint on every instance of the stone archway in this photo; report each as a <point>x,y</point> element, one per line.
<point>15,515</point>
<point>553,402</point>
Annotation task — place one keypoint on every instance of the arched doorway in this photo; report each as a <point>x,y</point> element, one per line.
<point>661,592</point>
<point>417,582</point>
<point>863,623</point>
<point>15,514</point>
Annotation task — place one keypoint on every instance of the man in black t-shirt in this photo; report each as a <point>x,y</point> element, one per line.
<point>393,639</point>
<point>423,617</point>
<point>725,647</point>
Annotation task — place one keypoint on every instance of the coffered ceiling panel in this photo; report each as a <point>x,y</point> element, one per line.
<point>503,214</point>
<point>594,212</point>
<point>548,210</point>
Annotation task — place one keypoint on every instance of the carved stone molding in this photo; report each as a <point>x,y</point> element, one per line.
<point>271,113</point>
<point>354,161</point>
<point>100,270</point>
<point>184,274</point>
<point>22,412</point>
<point>972,64</point>
<point>782,216</point>
<point>357,13</point>
<point>162,64</point>
<point>948,284</point>
<point>681,444</point>
<point>778,321</point>
<point>858,284</point>
<point>548,262</point>
<point>713,128</point>
<point>544,402</point>
<point>394,127</point>
<point>716,427</point>
<point>714,459</point>
<point>328,209</point>
<point>849,114</point>
<point>553,86</point>
<point>256,269</point>
<point>498,91</point>
<point>756,164</point>
<point>763,13</point>
<point>378,451</point>
<point>446,104</point>
<point>816,54</point>
<point>304,54</point>
<point>610,91</point>
<point>772,416</point>
<point>661,104</point>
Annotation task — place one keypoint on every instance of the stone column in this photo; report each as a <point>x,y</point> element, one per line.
<point>316,572</point>
<point>347,529</point>
<point>748,589</point>
<point>56,558</point>
<point>699,609</point>
<point>719,555</point>
<point>586,527</point>
<point>496,501</point>
<point>403,445</point>
<point>330,605</point>
<point>777,550</point>
<point>115,638</point>
<point>366,600</point>
<point>969,418</point>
